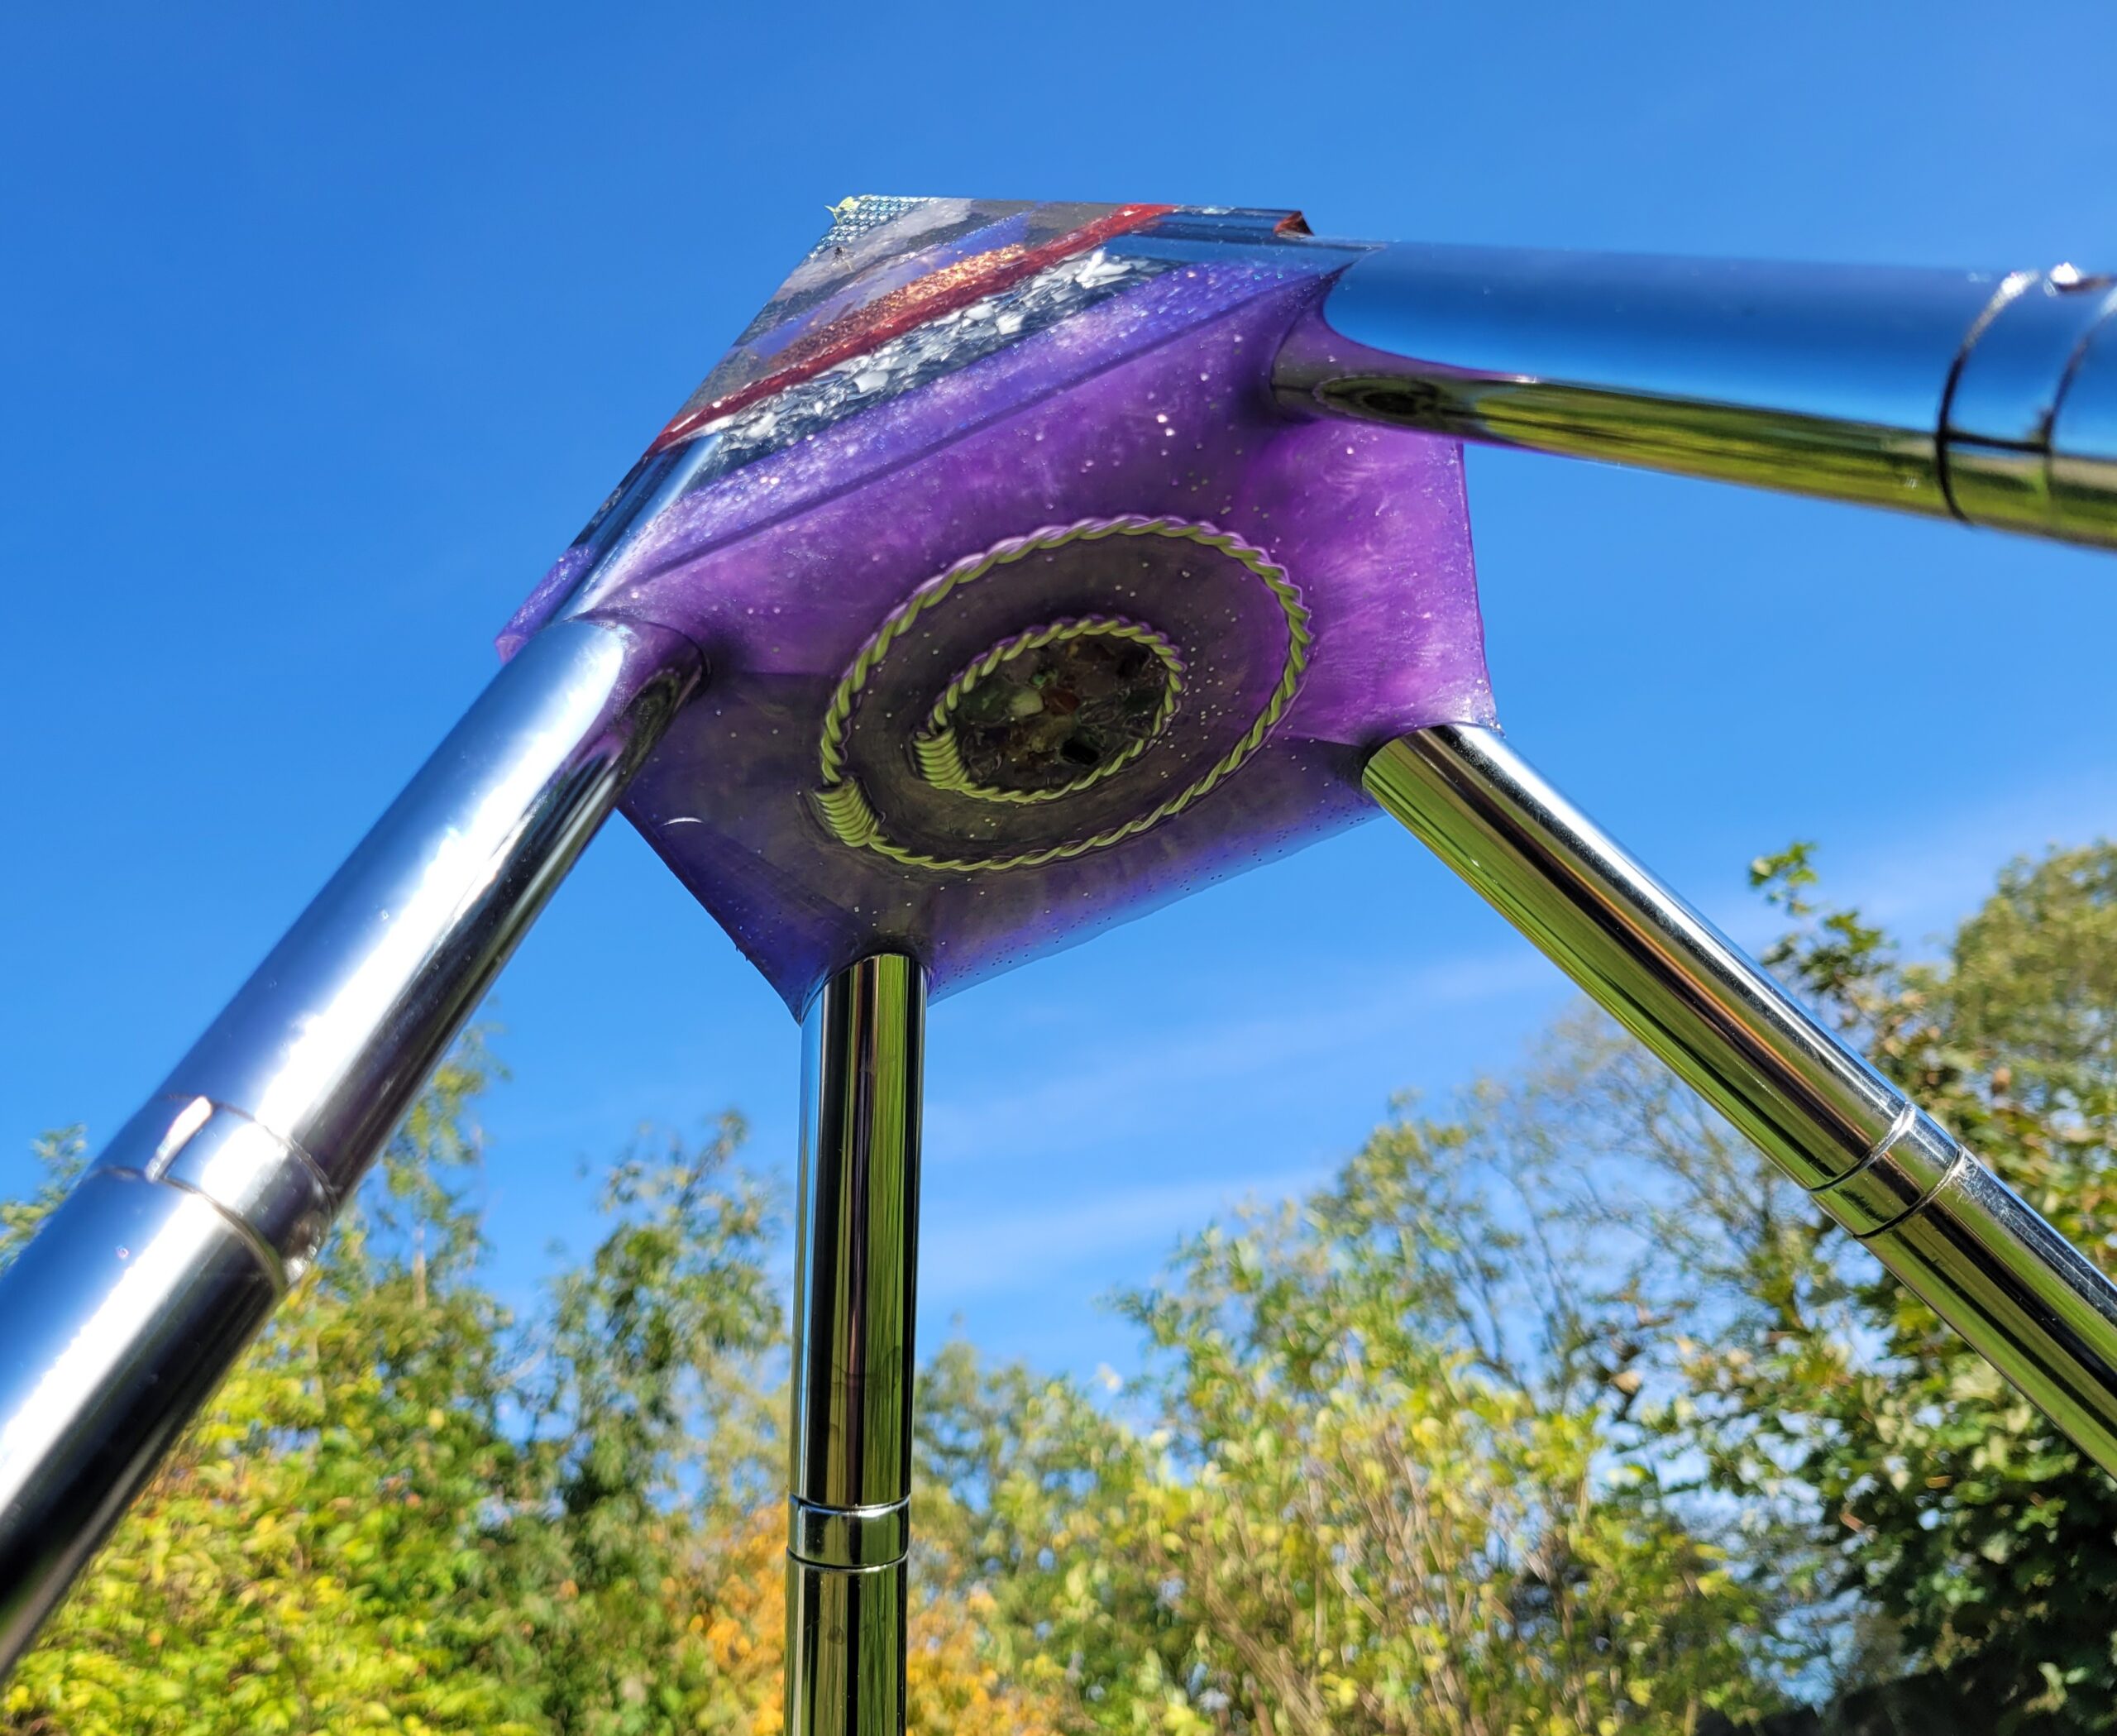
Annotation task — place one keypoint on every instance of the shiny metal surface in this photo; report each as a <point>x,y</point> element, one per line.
<point>859,1200</point>
<point>848,1530</point>
<point>410,933</point>
<point>127,1308</point>
<point>1783,375</point>
<point>116,1323</point>
<point>2013,377</point>
<point>2017,1292</point>
<point>2083,448</point>
<point>1894,1180</point>
<point>271,1192</point>
<point>845,1650</point>
<point>652,484</point>
<point>1927,390</point>
<point>848,1537</point>
<point>2016,362</point>
<point>1672,979</point>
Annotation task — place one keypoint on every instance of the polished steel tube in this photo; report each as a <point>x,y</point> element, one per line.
<point>123,1314</point>
<point>1988,396</point>
<point>848,1509</point>
<point>2024,1297</point>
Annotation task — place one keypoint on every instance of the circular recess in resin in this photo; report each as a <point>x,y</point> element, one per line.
<point>1059,693</point>
<point>1052,710</point>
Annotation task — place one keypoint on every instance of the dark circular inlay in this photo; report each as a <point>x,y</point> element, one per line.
<point>1046,717</point>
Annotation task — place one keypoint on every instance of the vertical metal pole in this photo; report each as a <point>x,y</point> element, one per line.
<point>125,1310</point>
<point>848,1528</point>
<point>2024,1297</point>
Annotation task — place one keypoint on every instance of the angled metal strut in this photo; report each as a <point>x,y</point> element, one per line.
<point>1989,397</point>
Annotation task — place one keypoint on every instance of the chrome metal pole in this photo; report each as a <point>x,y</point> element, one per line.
<point>848,1532</point>
<point>2023,1296</point>
<point>123,1314</point>
<point>1989,396</point>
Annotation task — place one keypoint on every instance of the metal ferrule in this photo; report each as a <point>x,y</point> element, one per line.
<point>848,1531</point>
<point>125,1309</point>
<point>1983,395</point>
<point>848,1537</point>
<point>2031,425</point>
<point>1899,1177</point>
<point>271,1192</point>
<point>2020,1295</point>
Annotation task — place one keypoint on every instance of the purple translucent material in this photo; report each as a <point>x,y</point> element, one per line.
<point>1150,403</point>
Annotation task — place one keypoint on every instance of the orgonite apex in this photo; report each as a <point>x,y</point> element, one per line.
<point>1027,607</point>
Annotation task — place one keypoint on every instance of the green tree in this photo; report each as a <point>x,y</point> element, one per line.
<point>1384,1489</point>
<point>1979,1530</point>
<point>1406,1508</point>
<point>1029,1500</point>
<point>1892,1497</point>
<point>406,1512</point>
<point>1560,1414</point>
<point>648,1447</point>
<point>313,1552</point>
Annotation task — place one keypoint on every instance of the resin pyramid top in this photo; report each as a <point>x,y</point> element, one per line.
<point>1026,607</point>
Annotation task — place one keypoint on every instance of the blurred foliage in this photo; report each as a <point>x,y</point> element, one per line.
<point>1555,1415</point>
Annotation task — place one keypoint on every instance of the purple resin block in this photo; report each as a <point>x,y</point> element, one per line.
<point>1026,607</point>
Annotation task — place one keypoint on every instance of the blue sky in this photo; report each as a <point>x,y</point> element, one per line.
<point>323,329</point>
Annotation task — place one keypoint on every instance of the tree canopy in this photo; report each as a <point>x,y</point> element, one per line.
<point>1555,1413</point>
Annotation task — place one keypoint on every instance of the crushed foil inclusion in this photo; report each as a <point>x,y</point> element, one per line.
<point>961,427</point>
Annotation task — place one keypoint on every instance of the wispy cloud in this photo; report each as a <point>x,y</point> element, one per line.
<point>1921,875</point>
<point>1157,1068</point>
<point>1946,866</point>
<point>1019,1250</point>
<point>1152,1072</point>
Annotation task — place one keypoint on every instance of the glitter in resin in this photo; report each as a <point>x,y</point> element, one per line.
<point>1074,440</point>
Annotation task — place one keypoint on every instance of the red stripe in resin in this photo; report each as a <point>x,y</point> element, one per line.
<point>927,298</point>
